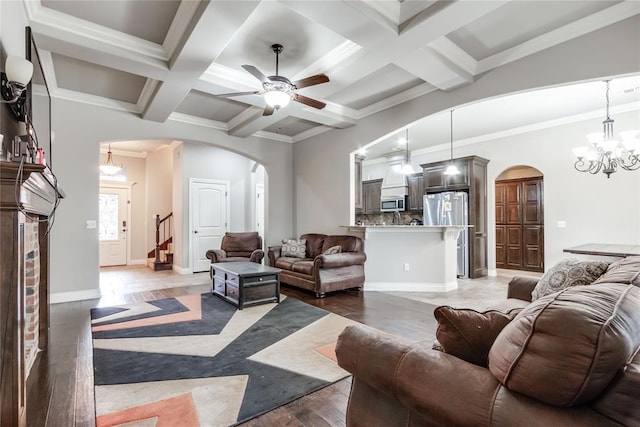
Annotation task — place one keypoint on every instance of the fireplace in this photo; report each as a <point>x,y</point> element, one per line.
<point>31,245</point>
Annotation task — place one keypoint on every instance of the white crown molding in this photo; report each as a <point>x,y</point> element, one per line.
<point>146,93</point>
<point>311,132</point>
<point>80,31</point>
<point>184,15</point>
<point>199,121</point>
<point>273,136</point>
<point>332,59</point>
<point>48,70</point>
<point>99,101</point>
<point>578,28</point>
<point>381,16</point>
<point>246,115</point>
<point>454,53</point>
<point>407,95</point>
<point>575,118</point>
<point>239,80</point>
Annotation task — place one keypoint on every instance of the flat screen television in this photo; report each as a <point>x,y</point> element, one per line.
<point>38,100</point>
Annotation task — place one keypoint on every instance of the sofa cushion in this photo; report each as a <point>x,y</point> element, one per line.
<point>564,349</point>
<point>347,243</point>
<point>625,270</point>
<point>314,243</point>
<point>469,334</point>
<point>286,263</point>
<point>303,266</point>
<point>294,248</point>
<point>566,273</point>
<point>245,242</point>
<point>332,250</point>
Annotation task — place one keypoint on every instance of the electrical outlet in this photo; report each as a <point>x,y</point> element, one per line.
<point>406,266</point>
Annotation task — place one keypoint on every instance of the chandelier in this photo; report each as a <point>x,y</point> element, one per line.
<point>605,153</point>
<point>109,167</point>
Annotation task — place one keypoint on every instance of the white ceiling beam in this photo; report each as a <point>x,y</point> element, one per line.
<point>196,54</point>
<point>588,24</point>
<point>432,67</point>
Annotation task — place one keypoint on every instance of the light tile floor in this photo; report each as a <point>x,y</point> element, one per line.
<point>472,293</point>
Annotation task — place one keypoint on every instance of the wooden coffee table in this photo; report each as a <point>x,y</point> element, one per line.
<point>246,283</point>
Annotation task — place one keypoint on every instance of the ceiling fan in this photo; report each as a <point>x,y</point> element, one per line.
<point>279,90</point>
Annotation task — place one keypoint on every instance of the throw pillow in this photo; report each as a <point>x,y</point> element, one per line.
<point>333,250</point>
<point>567,273</point>
<point>469,334</point>
<point>293,248</point>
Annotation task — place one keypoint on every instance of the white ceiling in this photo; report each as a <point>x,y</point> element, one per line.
<point>166,60</point>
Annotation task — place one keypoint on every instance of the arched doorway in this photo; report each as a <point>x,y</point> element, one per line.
<point>520,219</point>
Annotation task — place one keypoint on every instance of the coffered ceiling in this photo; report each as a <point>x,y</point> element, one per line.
<point>167,60</point>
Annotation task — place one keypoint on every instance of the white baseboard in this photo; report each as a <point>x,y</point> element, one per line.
<point>410,287</point>
<point>181,270</point>
<point>137,262</point>
<point>58,297</point>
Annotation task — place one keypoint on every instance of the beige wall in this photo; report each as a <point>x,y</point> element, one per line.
<point>74,253</point>
<point>159,173</point>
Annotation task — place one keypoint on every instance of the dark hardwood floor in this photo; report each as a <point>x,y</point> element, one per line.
<point>61,384</point>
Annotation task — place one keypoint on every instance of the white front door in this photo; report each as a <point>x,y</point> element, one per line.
<point>208,204</point>
<point>112,234</point>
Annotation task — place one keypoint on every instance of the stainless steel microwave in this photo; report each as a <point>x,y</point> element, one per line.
<point>391,204</point>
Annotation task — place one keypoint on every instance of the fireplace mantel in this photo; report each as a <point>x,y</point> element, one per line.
<point>28,196</point>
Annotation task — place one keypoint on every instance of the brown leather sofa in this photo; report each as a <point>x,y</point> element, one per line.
<point>567,359</point>
<point>322,273</point>
<point>244,246</point>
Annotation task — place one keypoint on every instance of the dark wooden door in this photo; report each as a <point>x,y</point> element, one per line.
<point>520,224</point>
<point>416,192</point>
<point>371,195</point>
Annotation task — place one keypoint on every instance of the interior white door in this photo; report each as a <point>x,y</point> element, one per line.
<point>209,208</point>
<point>112,229</point>
<point>260,210</point>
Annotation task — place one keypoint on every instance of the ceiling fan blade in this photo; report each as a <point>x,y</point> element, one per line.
<point>311,81</point>
<point>256,73</point>
<point>226,95</point>
<point>309,101</point>
<point>268,110</point>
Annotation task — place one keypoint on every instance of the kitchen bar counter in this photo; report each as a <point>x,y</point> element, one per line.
<point>414,258</point>
<point>605,250</point>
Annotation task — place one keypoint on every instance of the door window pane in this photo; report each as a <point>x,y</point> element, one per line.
<point>108,217</point>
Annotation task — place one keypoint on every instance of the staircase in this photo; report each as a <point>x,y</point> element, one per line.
<point>161,258</point>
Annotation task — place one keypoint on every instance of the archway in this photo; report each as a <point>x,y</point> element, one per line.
<point>519,208</point>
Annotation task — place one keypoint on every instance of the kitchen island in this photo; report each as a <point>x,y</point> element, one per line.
<point>409,258</point>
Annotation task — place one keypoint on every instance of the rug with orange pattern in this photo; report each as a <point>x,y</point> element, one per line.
<point>198,361</point>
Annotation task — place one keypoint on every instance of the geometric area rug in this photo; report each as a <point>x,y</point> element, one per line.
<point>196,360</point>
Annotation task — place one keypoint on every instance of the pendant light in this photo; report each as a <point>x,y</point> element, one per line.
<point>407,169</point>
<point>109,167</point>
<point>451,169</point>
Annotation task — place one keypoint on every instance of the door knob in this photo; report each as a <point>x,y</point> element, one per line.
<point>195,231</point>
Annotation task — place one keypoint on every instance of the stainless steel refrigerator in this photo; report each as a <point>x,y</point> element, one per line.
<point>450,208</point>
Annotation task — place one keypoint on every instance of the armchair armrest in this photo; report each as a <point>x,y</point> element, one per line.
<point>273,253</point>
<point>216,255</point>
<point>520,287</point>
<point>256,256</point>
<point>438,386</point>
<point>342,259</point>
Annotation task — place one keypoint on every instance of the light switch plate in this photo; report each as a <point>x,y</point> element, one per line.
<point>561,224</point>
<point>92,223</point>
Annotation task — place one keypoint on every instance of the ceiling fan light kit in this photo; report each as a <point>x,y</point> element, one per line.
<point>278,90</point>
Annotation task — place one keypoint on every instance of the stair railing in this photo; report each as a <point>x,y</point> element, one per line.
<point>166,224</point>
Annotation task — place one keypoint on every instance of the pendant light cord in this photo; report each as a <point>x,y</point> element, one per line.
<point>451,134</point>
<point>607,96</point>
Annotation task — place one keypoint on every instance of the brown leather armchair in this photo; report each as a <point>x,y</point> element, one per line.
<point>246,246</point>
<point>567,359</point>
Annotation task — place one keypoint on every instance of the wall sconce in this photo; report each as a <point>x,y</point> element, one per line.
<point>17,75</point>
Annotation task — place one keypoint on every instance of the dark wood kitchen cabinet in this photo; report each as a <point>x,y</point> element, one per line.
<point>520,224</point>
<point>371,195</point>
<point>358,199</point>
<point>415,183</point>
<point>472,180</point>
